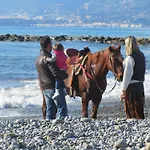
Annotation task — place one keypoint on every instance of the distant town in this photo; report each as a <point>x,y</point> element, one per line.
<point>25,20</point>
<point>89,13</point>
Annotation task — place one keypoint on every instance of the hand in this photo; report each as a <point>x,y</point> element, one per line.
<point>53,58</point>
<point>123,95</point>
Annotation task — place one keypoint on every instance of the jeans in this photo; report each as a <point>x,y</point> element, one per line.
<point>61,103</point>
<point>59,84</point>
<point>51,108</point>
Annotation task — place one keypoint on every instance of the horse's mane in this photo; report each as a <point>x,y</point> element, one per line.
<point>112,47</point>
<point>99,54</point>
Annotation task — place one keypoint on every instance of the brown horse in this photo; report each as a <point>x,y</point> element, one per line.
<point>91,82</point>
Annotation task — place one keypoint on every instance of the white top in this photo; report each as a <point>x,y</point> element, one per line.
<point>128,73</point>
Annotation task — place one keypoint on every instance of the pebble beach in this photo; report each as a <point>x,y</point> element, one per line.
<point>21,124</point>
<point>111,131</point>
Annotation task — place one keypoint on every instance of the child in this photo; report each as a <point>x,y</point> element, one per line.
<point>61,58</point>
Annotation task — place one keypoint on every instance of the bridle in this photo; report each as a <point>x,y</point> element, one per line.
<point>112,66</point>
<point>92,75</point>
<point>102,82</point>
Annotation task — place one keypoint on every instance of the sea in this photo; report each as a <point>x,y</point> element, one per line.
<point>19,88</point>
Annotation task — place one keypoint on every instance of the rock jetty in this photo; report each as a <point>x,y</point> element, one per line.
<point>89,38</point>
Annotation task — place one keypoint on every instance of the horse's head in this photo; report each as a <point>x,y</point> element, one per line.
<point>115,62</point>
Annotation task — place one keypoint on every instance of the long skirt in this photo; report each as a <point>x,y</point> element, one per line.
<point>134,101</point>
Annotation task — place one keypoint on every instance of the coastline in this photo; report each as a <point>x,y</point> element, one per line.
<point>89,38</point>
<point>106,110</point>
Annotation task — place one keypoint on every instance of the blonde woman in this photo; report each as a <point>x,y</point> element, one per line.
<point>134,75</point>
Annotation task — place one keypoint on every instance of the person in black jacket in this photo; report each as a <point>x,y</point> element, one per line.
<point>47,73</point>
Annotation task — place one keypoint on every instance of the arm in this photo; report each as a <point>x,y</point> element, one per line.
<point>51,59</point>
<point>59,74</point>
<point>128,73</point>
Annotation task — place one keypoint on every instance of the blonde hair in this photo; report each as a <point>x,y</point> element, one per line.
<point>131,45</point>
<point>58,47</point>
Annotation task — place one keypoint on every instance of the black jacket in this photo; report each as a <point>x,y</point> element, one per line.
<point>47,71</point>
<point>139,68</point>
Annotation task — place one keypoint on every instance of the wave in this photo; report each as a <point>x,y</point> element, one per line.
<point>29,95</point>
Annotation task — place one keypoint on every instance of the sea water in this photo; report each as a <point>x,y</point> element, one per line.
<point>19,87</point>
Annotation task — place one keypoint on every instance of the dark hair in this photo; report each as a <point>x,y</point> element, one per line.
<point>58,47</point>
<point>44,41</point>
<point>84,51</point>
<point>87,49</point>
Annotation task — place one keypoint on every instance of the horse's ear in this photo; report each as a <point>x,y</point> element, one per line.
<point>119,47</point>
<point>110,49</point>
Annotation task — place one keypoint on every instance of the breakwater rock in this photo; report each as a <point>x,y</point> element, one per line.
<point>97,39</point>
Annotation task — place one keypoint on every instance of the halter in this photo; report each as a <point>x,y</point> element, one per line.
<point>93,76</point>
<point>102,82</point>
<point>113,70</point>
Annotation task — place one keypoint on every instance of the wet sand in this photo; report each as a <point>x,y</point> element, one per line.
<point>106,110</point>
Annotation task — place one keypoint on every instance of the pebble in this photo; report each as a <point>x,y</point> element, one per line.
<point>147,139</point>
<point>147,146</point>
<point>121,144</point>
<point>75,133</point>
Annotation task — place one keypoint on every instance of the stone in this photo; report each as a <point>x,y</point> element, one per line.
<point>147,147</point>
<point>147,139</point>
<point>121,144</point>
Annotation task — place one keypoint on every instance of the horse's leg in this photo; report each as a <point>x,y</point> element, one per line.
<point>96,97</point>
<point>44,107</point>
<point>85,101</point>
<point>95,104</point>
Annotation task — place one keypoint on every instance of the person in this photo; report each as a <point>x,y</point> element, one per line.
<point>47,72</point>
<point>60,89</point>
<point>84,52</point>
<point>133,78</point>
<point>61,58</point>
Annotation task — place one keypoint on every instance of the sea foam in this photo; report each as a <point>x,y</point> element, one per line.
<point>29,95</point>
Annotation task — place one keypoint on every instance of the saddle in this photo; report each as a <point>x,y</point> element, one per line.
<point>75,60</point>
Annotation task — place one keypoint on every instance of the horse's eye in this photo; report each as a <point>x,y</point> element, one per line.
<point>113,55</point>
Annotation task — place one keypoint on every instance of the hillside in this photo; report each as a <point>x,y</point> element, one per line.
<point>27,12</point>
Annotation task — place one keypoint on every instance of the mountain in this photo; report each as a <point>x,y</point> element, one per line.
<point>108,12</point>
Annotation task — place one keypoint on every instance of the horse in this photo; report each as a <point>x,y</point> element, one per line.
<point>90,83</point>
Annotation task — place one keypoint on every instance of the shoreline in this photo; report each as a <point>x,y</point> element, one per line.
<point>89,38</point>
<point>106,110</point>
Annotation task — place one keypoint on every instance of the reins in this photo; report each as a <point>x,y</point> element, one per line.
<point>86,73</point>
<point>103,81</point>
<point>93,78</point>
